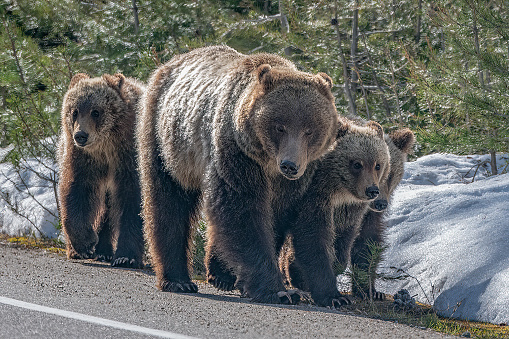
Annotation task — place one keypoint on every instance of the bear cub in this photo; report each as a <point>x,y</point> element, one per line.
<point>99,191</point>
<point>345,182</point>
<point>400,143</point>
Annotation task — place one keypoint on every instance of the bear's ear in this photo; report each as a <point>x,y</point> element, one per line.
<point>404,139</point>
<point>76,78</point>
<point>324,76</point>
<point>376,126</point>
<point>343,127</point>
<point>264,76</point>
<point>114,81</point>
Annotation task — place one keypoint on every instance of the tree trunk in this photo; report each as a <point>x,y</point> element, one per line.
<point>493,162</point>
<point>477,48</point>
<point>353,49</point>
<point>375,78</point>
<point>285,28</point>
<point>418,23</point>
<point>349,98</point>
<point>136,21</point>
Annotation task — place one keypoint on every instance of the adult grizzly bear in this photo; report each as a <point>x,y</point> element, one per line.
<point>400,143</point>
<point>349,176</point>
<point>99,192</point>
<point>221,126</point>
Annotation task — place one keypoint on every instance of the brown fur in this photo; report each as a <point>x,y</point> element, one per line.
<point>99,186</point>
<point>400,143</point>
<point>217,126</point>
<point>340,184</point>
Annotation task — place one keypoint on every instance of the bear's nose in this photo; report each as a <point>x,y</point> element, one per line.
<point>81,138</point>
<point>380,204</point>
<point>288,168</point>
<point>372,192</point>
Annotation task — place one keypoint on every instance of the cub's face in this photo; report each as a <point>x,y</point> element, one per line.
<point>295,126</point>
<point>89,114</point>
<point>400,144</point>
<point>361,164</point>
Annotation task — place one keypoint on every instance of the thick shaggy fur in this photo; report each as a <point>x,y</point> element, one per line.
<point>99,189</point>
<point>224,128</point>
<point>334,204</point>
<point>400,143</point>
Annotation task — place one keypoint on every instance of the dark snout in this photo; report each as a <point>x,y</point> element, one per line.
<point>372,192</point>
<point>288,168</point>
<point>81,138</point>
<point>380,204</point>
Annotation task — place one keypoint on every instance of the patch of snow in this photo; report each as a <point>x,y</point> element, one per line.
<point>26,191</point>
<point>452,237</point>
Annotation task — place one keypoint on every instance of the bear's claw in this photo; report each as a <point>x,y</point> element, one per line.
<point>221,284</point>
<point>340,301</point>
<point>126,262</point>
<point>178,287</point>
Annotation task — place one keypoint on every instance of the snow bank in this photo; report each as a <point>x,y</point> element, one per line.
<point>31,195</point>
<point>452,237</point>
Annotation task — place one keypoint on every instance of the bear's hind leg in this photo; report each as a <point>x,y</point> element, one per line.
<point>168,212</point>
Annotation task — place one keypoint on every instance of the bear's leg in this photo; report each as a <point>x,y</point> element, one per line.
<point>240,228</point>
<point>104,248</point>
<point>292,274</point>
<point>347,223</point>
<point>313,248</point>
<point>218,274</point>
<point>371,232</point>
<point>168,212</point>
<point>78,205</point>
<point>125,214</point>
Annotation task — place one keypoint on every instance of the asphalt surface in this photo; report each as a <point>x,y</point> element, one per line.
<point>44,295</point>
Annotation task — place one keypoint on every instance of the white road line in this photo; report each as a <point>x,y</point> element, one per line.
<point>92,319</point>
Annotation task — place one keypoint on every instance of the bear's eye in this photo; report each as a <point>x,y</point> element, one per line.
<point>377,167</point>
<point>95,113</point>
<point>280,128</point>
<point>357,166</point>
<point>308,132</point>
<point>75,114</point>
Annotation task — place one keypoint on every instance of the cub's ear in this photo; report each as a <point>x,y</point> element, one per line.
<point>76,78</point>
<point>404,139</point>
<point>376,126</point>
<point>328,79</point>
<point>264,75</point>
<point>114,81</point>
<point>343,127</point>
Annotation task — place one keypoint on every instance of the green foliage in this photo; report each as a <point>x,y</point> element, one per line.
<point>422,76</point>
<point>462,84</point>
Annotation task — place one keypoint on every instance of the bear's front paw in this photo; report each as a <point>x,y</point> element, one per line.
<point>223,282</point>
<point>126,262</point>
<point>84,252</point>
<point>177,286</point>
<point>334,302</point>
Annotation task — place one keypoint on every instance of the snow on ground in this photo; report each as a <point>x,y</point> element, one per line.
<point>449,233</point>
<point>29,193</point>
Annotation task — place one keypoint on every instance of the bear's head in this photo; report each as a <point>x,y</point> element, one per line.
<point>359,163</point>
<point>400,143</point>
<point>293,118</point>
<point>92,110</point>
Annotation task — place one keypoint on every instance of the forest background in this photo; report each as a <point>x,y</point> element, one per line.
<point>438,67</point>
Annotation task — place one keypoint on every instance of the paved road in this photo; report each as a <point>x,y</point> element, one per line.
<point>44,295</point>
